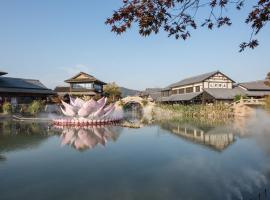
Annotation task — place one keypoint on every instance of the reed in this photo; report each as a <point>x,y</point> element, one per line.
<point>215,111</point>
<point>267,103</point>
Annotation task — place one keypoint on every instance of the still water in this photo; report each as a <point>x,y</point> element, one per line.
<point>167,160</point>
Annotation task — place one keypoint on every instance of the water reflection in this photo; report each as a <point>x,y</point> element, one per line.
<point>141,165</point>
<point>217,138</point>
<point>89,137</point>
<point>15,135</point>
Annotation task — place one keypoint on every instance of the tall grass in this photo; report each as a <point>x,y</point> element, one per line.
<point>7,108</point>
<point>267,101</point>
<point>35,107</point>
<point>163,111</point>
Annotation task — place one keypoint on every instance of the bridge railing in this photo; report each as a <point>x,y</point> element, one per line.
<point>250,101</point>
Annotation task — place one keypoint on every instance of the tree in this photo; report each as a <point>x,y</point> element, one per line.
<point>267,82</point>
<point>112,91</point>
<point>178,17</point>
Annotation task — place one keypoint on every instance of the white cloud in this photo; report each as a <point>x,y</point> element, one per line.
<point>76,69</point>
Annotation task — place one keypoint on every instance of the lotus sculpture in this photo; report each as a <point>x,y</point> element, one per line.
<point>80,112</point>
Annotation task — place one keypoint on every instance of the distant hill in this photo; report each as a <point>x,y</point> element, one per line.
<point>128,92</point>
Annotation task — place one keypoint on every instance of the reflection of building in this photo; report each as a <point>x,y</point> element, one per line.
<point>81,84</point>
<point>18,90</point>
<point>218,141</point>
<point>216,138</point>
<point>211,87</point>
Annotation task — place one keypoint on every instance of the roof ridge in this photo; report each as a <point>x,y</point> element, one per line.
<point>28,79</point>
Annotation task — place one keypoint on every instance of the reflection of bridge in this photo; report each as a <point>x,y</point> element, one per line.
<point>247,107</point>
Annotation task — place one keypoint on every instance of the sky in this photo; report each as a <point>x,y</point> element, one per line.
<point>53,40</point>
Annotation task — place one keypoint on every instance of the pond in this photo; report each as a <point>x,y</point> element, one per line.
<point>185,159</point>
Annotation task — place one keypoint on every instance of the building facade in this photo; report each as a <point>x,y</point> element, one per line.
<point>211,87</point>
<point>20,91</point>
<point>82,84</point>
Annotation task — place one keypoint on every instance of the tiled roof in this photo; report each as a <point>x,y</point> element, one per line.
<point>88,78</point>
<point>181,97</point>
<point>224,94</point>
<point>19,85</point>
<point>255,85</point>
<point>229,94</point>
<point>62,89</point>
<point>194,79</point>
<point>155,95</point>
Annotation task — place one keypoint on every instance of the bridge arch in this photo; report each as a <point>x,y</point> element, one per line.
<point>133,99</point>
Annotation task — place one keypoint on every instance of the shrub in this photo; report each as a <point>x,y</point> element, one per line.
<point>144,102</point>
<point>239,96</point>
<point>35,107</point>
<point>7,108</point>
<point>121,103</point>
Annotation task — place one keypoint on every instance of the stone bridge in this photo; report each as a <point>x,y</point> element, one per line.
<point>133,99</point>
<point>247,107</point>
<point>147,106</point>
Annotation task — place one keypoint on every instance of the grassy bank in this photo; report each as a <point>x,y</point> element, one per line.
<point>217,111</point>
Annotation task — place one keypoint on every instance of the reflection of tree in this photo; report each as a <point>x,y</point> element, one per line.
<point>20,135</point>
<point>89,137</point>
<point>216,137</point>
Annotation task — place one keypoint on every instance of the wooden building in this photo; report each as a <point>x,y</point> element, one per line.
<point>211,87</point>
<point>18,90</point>
<point>82,84</point>
<point>151,94</point>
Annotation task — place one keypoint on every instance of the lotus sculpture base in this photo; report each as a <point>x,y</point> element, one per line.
<point>85,122</point>
<point>87,113</point>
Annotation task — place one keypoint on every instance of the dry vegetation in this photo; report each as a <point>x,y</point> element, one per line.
<point>216,111</point>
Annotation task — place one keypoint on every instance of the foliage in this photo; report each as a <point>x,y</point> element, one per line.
<point>112,91</point>
<point>239,96</point>
<point>178,17</point>
<point>144,102</point>
<point>35,107</point>
<point>194,111</point>
<point>7,108</point>
<point>267,82</point>
<point>121,103</point>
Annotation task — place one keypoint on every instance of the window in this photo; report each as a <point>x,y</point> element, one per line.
<point>197,88</point>
<point>174,92</point>
<point>82,86</point>
<point>165,93</point>
<point>189,89</point>
<point>181,91</point>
